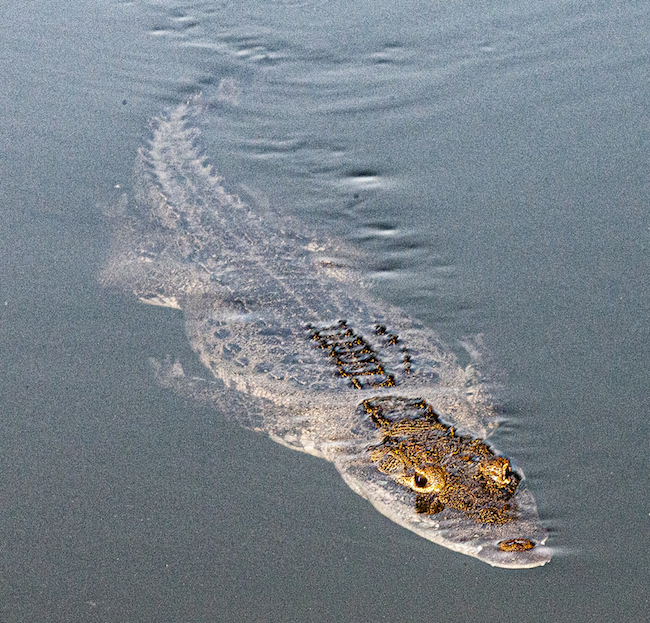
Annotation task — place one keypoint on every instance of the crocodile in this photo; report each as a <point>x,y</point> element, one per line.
<point>299,348</point>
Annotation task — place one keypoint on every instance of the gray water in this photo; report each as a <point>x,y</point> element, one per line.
<point>490,160</point>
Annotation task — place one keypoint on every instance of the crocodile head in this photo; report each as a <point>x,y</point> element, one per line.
<point>442,468</point>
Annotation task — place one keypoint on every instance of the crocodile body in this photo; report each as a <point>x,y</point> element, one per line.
<point>299,348</point>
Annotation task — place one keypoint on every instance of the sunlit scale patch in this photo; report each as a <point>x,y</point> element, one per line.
<point>516,545</point>
<point>389,338</point>
<point>354,357</point>
<point>442,468</point>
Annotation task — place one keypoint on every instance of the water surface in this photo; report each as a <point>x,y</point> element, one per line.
<point>490,161</point>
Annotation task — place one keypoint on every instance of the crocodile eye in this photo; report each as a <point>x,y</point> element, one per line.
<point>420,481</point>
